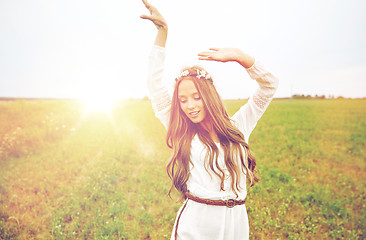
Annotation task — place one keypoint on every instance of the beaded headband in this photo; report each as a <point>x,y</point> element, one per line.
<point>199,74</point>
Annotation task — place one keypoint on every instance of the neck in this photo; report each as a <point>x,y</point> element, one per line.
<point>208,126</point>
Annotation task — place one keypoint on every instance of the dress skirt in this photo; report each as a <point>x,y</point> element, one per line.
<point>208,222</point>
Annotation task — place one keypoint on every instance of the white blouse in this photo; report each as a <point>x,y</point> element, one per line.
<point>200,221</point>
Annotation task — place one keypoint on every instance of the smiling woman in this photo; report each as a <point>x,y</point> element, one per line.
<point>211,161</point>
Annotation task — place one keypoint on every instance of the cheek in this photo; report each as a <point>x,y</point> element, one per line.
<point>202,106</point>
<point>183,108</point>
<point>203,109</point>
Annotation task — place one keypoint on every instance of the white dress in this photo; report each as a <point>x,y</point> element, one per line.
<point>200,221</point>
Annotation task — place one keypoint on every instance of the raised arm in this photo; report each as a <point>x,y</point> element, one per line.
<point>159,23</point>
<point>158,93</point>
<point>249,114</point>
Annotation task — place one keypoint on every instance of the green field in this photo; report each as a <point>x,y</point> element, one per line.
<point>65,174</point>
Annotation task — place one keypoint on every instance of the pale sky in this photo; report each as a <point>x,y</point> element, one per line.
<point>78,48</point>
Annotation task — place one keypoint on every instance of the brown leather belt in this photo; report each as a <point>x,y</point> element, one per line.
<point>230,203</point>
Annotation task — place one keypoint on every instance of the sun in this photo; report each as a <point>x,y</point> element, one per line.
<point>99,98</point>
<point>101,104</point>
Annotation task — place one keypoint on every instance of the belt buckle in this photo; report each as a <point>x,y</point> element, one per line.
<point>230,203</point>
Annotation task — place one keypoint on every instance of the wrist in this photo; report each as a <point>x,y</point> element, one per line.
<point>161,37</point>
<point>163,26</point>
<point>163,30</point>
<point>244,59</point>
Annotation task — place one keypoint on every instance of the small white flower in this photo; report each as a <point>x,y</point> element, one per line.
<point>184,73</point>
<point>201,73</point>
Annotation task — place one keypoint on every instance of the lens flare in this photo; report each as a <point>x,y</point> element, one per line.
<point>99,104</point>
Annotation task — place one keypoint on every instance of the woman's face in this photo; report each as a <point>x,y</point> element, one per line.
<point>190,101</point>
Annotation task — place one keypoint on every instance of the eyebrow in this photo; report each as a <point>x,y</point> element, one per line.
<point>194,93</point>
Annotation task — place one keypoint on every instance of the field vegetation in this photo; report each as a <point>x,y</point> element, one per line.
<point>67,174</point>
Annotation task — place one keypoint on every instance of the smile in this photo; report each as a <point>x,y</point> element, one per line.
<point>194,114</point>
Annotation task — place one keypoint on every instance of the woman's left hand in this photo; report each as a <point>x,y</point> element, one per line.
<point>155,17</point>
<point>227,55</point>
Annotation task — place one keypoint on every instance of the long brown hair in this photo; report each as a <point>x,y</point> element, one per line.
<point>181,131</point>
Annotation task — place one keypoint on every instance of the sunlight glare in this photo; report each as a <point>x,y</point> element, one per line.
<point>99,104</point>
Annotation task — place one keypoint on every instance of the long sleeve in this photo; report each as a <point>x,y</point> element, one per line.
<point>158,93</point>
<point>249,114</point>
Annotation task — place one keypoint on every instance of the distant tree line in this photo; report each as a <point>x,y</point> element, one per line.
<point>302,96</point>
<point>295,96</point>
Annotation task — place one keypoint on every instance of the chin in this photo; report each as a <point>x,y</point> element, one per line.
<point>196,120</point>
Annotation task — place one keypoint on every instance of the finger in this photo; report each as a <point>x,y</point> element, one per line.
<point>152,19</point>
<point>147,5</point>
<point>205,54</point>
<point>157,22</point>
<point>206,59</point>
<point>146,17</point>
<point>215,49</point>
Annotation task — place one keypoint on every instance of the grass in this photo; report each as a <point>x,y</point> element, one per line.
<point>67,175</point>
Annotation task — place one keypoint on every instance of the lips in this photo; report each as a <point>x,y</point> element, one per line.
<point>194,114</point>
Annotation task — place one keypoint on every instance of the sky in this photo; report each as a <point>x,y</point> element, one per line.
<point>99,49</point>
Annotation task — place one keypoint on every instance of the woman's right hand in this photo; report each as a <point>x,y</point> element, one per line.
<point>155,17</point>
<point>227,55</point>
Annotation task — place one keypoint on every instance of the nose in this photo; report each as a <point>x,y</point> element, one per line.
<point>191,104</point>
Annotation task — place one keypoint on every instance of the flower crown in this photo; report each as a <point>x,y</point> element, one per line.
<point>199,74</point>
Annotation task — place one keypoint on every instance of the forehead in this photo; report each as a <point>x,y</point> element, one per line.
<point>186,88</point>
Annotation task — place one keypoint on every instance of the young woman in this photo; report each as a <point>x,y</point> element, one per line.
<point>211,160</point>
